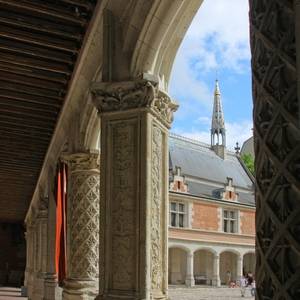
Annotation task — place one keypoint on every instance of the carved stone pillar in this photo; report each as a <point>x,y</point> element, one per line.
<point>135,117</point>
<point>82,226</point>
<point>190,280</point>
<point>277,147</point>
<point>216,271</point>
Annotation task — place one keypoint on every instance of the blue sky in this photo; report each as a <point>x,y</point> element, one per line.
<point>217,42</point>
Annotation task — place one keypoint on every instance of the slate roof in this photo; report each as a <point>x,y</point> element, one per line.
<point>198,162</point>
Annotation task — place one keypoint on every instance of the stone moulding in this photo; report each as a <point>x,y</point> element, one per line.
<point>122,96</point>
<point>84,161</point>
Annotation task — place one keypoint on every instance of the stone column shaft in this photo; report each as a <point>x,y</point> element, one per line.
<point>134,189</point>
<point>41,250</point>
<point>83,226</point>
<point>190,281</point>
<point>216,271</point>
<point>239,270</point>
<point>51,289</point>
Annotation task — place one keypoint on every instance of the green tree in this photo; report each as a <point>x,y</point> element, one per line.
<point>249,162</point>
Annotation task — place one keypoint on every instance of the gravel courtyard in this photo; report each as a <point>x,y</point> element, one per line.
<point>204,293</point>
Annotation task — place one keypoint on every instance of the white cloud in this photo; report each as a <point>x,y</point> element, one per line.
<point>220,32</point>
<point>218,38</point>
<point>235,132</point>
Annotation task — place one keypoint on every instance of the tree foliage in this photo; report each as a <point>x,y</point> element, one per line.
<point>249,162</point>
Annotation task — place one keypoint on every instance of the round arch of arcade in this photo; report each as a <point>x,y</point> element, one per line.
<point>192,265</point>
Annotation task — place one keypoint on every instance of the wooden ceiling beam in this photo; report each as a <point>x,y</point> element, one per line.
<point>51,94</point>
<point>25,132</point>
<point>39,39</point>
<point>26,145</point>
<point>36,108</point>
<point>32,82</point>
<point>51,12</point>
<point>23,120</point>
<point>18,95</point>
<point>23,24</point>
<point>34,73</point>
<point>85,4</point>
<point>28,112</point>
<point>21,123</point>
<point>22,49</point>
<point>35,64</point>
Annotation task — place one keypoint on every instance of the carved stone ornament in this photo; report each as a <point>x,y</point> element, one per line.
<point>83,216</point>
<point>277,149</point>
<point>82,161</point>
<point>120,96</point>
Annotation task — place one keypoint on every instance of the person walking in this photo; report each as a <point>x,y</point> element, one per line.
<point>253,288</point>
<point>243,286</point>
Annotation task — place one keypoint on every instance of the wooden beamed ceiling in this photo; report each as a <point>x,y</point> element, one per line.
<point>39,44</point>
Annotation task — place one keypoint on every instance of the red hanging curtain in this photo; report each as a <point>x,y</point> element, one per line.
<point>61,212</point>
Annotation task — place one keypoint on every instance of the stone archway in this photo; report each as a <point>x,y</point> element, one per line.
<point>177,270</point>
<point>203,267</point>
<point>228,267</point>
<point>249,263</point>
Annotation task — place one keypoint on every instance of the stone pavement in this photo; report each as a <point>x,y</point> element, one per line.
<point>207,293</point>
<point>9,293</point>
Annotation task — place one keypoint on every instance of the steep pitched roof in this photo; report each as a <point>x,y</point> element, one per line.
<point>205,171</point>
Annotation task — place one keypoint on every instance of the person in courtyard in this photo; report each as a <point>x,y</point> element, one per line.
<point>243,286</point>
<point>250,278</point>
<point>253,288</point>
<point>228,275</point>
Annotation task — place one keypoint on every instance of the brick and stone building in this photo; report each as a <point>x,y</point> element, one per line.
<point>212,209</point>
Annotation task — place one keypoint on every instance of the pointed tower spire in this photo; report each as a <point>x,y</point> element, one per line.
<point>218,137</point>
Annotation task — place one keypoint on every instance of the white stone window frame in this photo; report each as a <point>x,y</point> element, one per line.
<point>236,220</point>
<point>177,213</point>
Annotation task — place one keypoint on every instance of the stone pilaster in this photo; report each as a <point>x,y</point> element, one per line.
<point>190,280</point>
<point>41,249</point>
<point>135,117</point>
<point>32,232</point>
<point>216,271</point>
<point>51,289</point>
<point>239,267</point>
<point>82,227</point>
<point>29,265</point>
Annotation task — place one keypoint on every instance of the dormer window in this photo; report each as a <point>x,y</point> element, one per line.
<point>178,184</point>
<point>229,191</point>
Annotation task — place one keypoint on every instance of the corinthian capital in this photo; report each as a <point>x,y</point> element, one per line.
<point>82,161</point>
<point>125,95</point>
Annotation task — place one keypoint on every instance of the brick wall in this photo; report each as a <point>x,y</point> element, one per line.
<point>205,216</point>
<point>247,222</point>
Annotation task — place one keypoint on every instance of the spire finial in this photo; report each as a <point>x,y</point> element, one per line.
<point>218,123</point>
<point>237,148</point>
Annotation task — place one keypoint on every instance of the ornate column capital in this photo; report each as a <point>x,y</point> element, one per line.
<point>126,95</point>
<point>82,161</point>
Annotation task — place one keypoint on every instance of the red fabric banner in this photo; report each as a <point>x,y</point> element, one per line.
<point>61,212</point>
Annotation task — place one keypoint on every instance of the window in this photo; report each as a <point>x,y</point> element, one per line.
<point>230,221</point>
<point>177,214</point>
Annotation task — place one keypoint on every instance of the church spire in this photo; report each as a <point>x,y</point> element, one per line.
<point>218,137</point>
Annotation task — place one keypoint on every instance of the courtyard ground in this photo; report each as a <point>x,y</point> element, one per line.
<point>10,293</point>
<point>207,293</point>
